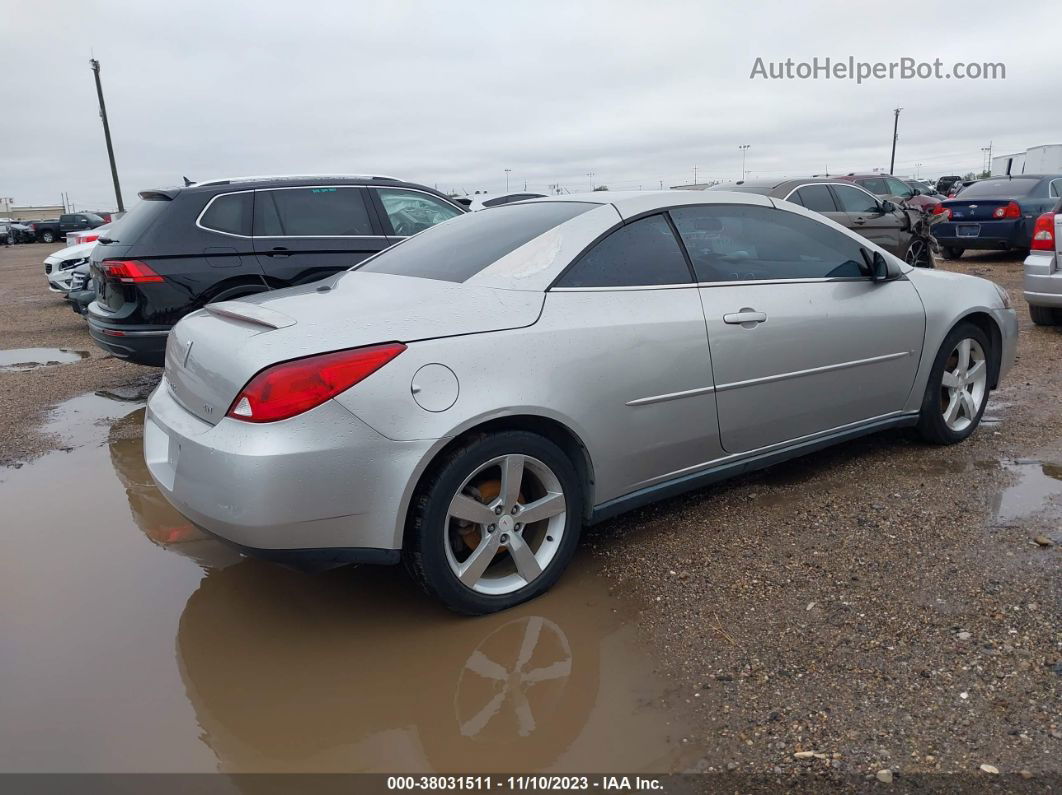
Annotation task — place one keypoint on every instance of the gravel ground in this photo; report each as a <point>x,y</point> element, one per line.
<point>870,603</point>
<point>33,317</point>
<point>870,610</point>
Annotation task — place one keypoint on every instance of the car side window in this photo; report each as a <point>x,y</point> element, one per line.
<point>325,211</point>
<point>897,188</point>
<point>410,211</point>
<point>642,253</point>
<point>229,213</point>
<point>1056,188</point>
<point>816,198</point>
<point>854,200</point>
<point>736,242</point>
<point>875,185</point>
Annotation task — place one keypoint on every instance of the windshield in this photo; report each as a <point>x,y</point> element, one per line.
<point>1001,188</point>
<point>458,249</point>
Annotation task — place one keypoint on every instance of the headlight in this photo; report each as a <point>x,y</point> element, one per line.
<point>67,264</point>
<point>1004,296</point>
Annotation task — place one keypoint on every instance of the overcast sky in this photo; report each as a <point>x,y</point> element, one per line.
<point>453,93</point>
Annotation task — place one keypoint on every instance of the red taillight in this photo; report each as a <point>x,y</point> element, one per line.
<point>128,271</point>
<point>1043,238</point>
<point>940,209</point>
<point>287,389</point>
<point>1009,210</point>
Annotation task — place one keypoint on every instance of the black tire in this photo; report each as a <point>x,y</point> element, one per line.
<point>424,552</point>
<point>1043,315</point>
<point>47,236</point>
<point>931,423</point>
<point>919,254</point>
<point>952,252</point>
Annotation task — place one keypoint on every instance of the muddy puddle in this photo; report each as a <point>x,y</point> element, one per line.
<point>20,359</point>
<point>1033,489</point>
<point>131,642</point>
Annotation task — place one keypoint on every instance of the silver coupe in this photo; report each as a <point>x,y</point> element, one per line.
<point>467,400</point>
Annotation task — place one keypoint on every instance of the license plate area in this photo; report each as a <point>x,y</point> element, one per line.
<point>968,230</point>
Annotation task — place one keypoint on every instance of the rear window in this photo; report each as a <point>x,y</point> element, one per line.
<point>458,249</point>
<point>138,220</point>
<point>1001,188</point>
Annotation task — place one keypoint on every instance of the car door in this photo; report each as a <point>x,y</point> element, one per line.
<point>405,211</point>
<point>627,311</point>
<point>302,234</point>
<point>802,340</point>
<point>867,218</point>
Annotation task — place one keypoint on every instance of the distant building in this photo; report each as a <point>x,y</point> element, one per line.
<point>28,212</point>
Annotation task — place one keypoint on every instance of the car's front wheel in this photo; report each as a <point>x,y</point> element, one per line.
<point>957,391</point>
<point>496,523</point>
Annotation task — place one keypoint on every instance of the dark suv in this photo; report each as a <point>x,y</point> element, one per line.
<point>182,248</point>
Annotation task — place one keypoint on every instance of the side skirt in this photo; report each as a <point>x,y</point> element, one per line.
<point>718,472</point>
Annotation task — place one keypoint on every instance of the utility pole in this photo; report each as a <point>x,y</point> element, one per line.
<point>987,151</point>
<point>590,179</point>
<point>744,151</point>
<point>507,179</point>
<point>895,127</point>
<point>107,134</point>
<point>695,175</point>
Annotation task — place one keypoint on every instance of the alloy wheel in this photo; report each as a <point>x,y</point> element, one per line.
<point>505,524</point>
<point>964,384</point>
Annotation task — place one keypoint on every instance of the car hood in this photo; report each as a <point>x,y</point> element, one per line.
<point>78,251</point>
<point>211,354</point>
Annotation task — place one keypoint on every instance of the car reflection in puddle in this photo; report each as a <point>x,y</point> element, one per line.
<point>273,670</point>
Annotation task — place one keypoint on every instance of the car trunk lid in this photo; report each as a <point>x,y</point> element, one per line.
<point>211,354</point>
<point>974,209</point>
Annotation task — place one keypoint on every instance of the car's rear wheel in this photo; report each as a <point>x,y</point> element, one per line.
<point>495,524</point>
<point>920,255</point>
<point>952,252</point>
<point>958,389</point>
<point>1043,315</point>
<point>47,237</point>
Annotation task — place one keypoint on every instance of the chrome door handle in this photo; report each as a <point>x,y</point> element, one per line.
<point>745,316</point>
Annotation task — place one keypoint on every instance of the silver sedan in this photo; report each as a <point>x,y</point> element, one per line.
<point>467,400</point>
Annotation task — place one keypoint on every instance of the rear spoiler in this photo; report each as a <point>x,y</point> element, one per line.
<point>159,194</point>
<point>250,313</point>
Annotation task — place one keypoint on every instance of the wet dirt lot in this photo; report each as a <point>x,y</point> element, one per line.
<point>884,604</point>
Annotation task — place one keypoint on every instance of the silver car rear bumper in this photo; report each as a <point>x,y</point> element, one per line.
<point>323,480</point>
<point>1042,284</point>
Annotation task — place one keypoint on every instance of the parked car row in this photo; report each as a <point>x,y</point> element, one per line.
<point>49,231</point>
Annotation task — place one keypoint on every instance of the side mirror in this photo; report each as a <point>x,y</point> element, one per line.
<point>888,207</point>
<point>877,265</point>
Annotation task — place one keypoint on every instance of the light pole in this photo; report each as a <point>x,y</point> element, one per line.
<point>590,180</point>
<point>695,175</point>
<point>895,127</point>
<point>918,167</point>
<point>507,171</point>
<point>744,151</point>
<point>107,134</point>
